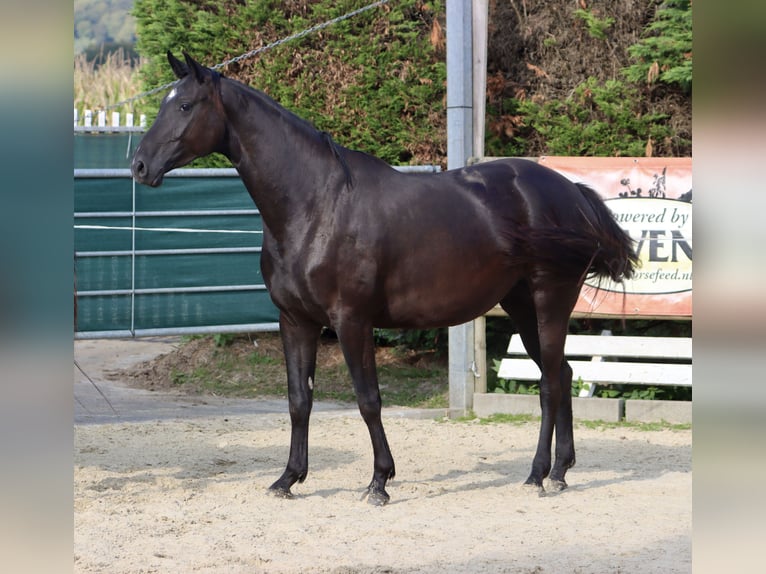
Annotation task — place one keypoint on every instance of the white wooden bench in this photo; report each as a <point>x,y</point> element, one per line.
<point>600,359</point>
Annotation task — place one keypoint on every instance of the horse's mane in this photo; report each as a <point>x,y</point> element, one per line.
<point>338,151</point>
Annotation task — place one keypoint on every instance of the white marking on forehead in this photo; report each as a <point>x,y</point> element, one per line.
<point>171,95</point>
<point>311,383</point>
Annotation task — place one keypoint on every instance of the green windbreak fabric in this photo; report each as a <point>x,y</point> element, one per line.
<point>185,274</point>
<point>105,150</point>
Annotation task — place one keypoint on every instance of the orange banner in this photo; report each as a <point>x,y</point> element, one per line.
<point>652,200</point>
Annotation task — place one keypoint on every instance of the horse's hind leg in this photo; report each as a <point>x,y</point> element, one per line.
<point>299,340</point>
<point>565,450</point>
<point>542,319</point>
<point>358,347</point>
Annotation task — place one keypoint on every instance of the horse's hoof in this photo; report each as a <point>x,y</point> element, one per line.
<point>532,481</point>
<point>279,492</point>
<point>376,496</point>
<point>534,489</point>
<point>535,485</point>
<point>557,485</point>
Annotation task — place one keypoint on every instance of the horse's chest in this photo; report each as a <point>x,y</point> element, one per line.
<point>298,277</point>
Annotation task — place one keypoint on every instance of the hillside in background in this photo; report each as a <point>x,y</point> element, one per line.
<point>104,23</point>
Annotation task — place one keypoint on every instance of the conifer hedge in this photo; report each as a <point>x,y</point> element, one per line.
<point>376,82</point>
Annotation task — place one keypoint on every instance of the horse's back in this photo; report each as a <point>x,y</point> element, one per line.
<point>541,190</point>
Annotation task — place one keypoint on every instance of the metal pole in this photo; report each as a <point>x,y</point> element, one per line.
<point>459,149</point>
<point>479,73</point>
<point>480,16</point>
<point>459,83</point>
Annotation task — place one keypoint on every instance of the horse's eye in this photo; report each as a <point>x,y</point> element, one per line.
<point>185,107</point>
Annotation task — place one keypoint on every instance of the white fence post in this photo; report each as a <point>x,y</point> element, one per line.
<point>101,119</point>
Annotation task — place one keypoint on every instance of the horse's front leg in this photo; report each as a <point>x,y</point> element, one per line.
<point>359,351</point>
<point>299,340</point>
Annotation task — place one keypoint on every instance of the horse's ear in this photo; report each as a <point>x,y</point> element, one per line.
<point>179,68</point>
<point>199,71</point>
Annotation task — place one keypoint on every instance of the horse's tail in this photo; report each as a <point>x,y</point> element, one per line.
<point>596,247</point>
<point>615,256</point>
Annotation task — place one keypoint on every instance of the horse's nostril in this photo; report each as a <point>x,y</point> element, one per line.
<point>139,168</point>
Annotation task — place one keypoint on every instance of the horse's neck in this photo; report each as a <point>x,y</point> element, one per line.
<point>265,145</point>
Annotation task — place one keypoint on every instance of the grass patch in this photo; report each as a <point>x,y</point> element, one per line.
<point>518,420</point>
<point>499,418</point>
<point>649,427</point>
<point>253,366</point>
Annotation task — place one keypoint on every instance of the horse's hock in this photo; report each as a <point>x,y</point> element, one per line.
<point>650,361</point>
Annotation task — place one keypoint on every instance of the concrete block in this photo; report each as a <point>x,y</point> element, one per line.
<point>485,404</point>
<point>596,409</point>
<point>675,412</point>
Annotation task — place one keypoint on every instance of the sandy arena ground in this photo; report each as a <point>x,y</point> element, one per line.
<point>189,494</point>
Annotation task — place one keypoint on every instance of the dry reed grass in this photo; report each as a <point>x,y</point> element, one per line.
<point>113,80</point>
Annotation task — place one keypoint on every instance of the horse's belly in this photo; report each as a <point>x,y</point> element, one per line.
<point>444,299</point>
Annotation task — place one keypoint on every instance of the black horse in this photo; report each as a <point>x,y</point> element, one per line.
<point>352,244</point>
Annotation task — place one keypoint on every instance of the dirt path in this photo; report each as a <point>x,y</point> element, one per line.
<point>190,496</point>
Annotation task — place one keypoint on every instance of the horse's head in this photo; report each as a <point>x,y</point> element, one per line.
<point>191,123</point>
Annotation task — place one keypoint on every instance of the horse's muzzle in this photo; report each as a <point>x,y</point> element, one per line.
<point>141,173</point>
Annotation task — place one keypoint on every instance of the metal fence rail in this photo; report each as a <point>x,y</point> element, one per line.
<point>177,260</point>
